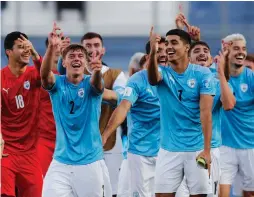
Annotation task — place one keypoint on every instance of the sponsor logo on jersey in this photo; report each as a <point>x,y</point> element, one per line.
<point>27,85</point>
<point>6,90</point>
<point>244,87</point>
<point>191,83</point>
<point>81,92</point>
<point>206,83</point>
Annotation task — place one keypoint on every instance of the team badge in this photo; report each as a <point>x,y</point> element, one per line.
<point>27,85</point>
<point>244,87</point>
<point>81,92</point>
<point>191,83</point>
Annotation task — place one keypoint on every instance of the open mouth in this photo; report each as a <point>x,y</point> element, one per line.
<point>76,65</point>
<point>163,60</point>
<point>240,57</point>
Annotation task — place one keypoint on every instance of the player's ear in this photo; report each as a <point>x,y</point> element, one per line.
<point>8,52</point>
<point>187,47</point>
<point>103,50</point>
<point>64,63</point>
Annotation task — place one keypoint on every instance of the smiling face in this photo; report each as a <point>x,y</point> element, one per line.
<point>176,48</point>
<point>94,45</point>
<point>75,60</point>
<point>19,53</point>
<point>162,55</point>
<point>238,53</point>
<point>200,54</point>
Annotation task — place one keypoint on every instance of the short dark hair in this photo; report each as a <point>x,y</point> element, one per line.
<point>91,35</point>
<point>198,43</point>
<point>10,39</point>
<point>250,57</point>
<point>142,61</point>
<point>74,47</point>
<point>163,40</point>
<point>184,36</point>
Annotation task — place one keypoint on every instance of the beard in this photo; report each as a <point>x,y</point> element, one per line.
<point>237,66</point>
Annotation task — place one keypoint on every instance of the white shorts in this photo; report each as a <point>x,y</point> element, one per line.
<point>171,168</point>
<point>142,172</point>
<point>183,190</point>
<point>235,161</point>
<point>74,180</point>
<point>124,180</point>
<point>237,186</point>
<point>113,162</point>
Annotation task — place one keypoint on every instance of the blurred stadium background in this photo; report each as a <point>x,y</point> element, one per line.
<point>124,25</point>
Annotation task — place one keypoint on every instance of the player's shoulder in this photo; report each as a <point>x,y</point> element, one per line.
<point>139,75</point>
<point>248,72</point>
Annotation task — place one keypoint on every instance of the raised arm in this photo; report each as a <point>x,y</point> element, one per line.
<point>116,119</point>
<point>47,76</point>
<point>227,97</point>
<point>109,96</point>
<point>154,76</point>
<point>96,78</point>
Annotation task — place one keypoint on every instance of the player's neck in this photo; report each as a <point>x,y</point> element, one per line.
<point>180,65</point>
<point>16,68</point>
<point>236,70</point>
<point>75,79</point>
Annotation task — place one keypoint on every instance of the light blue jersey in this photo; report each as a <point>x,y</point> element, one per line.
<point>179,96</point>
<point>217,114</point>
<point>238,124</point>
<point>76,109</point>
<point>144,116</point>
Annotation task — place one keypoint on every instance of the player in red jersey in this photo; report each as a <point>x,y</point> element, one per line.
<point>20,96</point>
<point>46,124</point>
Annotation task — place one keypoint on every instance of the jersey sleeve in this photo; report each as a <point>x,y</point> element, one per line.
<point>55,87</point>
<point>120,83</point>
<point>93,90</point>
<point>131,91</point>
<point>60,68</point>
<point>207,83</point>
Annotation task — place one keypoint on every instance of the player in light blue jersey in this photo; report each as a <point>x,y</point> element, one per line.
<point>77,166</point>
<point>237,151</point>
<point>200,54</point>
<point>141,101</point>
<point>186,96</point>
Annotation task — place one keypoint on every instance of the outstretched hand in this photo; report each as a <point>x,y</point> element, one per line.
<point>154,41</point>
<point>95,63</point>
<point>54,38</point>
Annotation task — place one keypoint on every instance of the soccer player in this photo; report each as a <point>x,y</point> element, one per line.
<point>20,97</point>
<point>115,80</point>
<point>46,124</point>
<point>186,93</point>
<point>141,101</point>
<point>200,54</point>
<point>162,57</point>
<point>237,151</point>
<point>77,167</point>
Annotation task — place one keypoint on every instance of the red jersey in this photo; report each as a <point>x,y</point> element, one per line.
<point>20,107</point>
<point>46,124</point>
